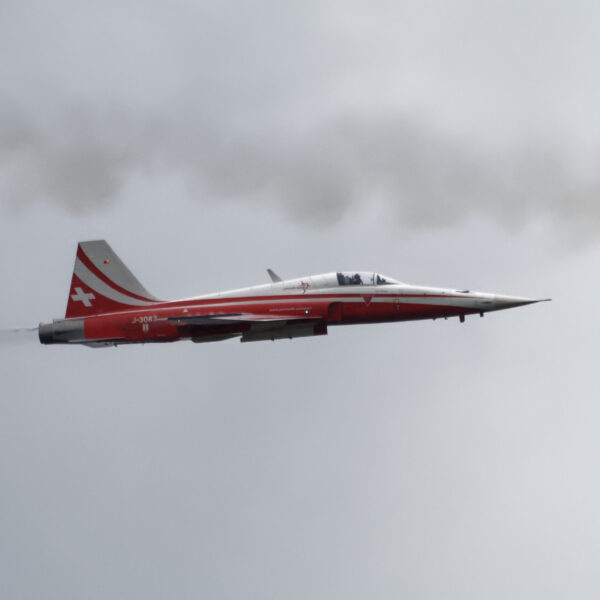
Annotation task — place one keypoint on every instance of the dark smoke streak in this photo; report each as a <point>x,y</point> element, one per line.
<point>423,178</point>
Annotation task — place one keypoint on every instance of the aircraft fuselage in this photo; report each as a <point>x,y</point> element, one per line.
<point>108,306</point>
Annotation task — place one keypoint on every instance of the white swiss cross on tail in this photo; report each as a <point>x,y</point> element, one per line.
<point>81,296</point>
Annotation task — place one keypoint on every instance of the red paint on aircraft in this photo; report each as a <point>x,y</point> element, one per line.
<point>108,306</point>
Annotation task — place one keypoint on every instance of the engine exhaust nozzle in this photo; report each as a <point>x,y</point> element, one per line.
<point>61,331</point>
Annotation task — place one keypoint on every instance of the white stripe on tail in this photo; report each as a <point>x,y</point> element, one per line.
<point>102,283</point>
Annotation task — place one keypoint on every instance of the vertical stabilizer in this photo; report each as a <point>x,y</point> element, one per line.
<point>102,283</point>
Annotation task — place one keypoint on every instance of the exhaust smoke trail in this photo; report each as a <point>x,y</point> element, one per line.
<point>18,335</point>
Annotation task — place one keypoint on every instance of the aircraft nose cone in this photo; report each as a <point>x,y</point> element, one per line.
<point>501,302</point>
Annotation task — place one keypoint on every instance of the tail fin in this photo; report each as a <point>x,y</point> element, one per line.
<point>101,283</point>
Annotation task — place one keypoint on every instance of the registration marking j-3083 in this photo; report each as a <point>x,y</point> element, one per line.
<point>144,319</point>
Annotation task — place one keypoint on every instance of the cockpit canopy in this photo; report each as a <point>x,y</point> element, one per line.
<point>364,278</point>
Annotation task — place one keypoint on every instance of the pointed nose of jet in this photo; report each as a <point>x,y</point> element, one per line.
<point>501,302</point>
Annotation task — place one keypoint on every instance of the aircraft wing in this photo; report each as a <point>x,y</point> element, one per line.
<point>252,327</point>
<point>230,318</point>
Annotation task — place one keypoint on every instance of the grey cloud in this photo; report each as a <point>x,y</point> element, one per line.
<point>421,176</point>
<point>308,109</point>
<point>80,164</point>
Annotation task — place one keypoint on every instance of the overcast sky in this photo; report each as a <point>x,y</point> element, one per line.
<point>443,144</point>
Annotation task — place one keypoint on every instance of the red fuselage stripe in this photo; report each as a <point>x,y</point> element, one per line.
<point>339,297</point>
<point>152,324</point>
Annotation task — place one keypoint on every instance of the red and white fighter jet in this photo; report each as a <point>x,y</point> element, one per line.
<point>107,306</point>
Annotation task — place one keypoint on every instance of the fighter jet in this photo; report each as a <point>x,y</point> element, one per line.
<point>108,306</point>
